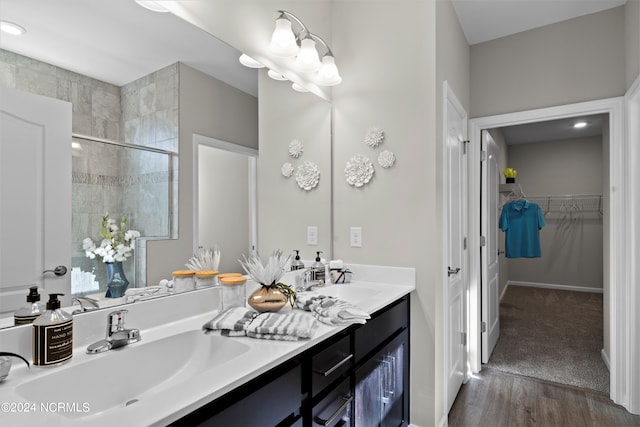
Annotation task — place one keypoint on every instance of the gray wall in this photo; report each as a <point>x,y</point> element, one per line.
<point>581,59</point>
<point>572,244</point>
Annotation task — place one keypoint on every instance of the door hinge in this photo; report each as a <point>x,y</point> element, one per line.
<point>464,339</point>
<point>483,156</point>
<point>484,326</point>
<point>464,146</point>
<point>483,241</point>
<point>464,244</point>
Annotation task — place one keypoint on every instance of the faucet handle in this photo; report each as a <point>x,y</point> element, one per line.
<point>116,321</point>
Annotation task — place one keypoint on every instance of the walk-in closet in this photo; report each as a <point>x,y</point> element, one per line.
<point>551,302</point>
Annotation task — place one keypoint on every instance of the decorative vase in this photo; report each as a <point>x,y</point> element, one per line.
<point>267,298</point>
<point>117,282</point>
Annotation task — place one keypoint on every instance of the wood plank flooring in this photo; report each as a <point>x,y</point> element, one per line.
<point>494,398</point>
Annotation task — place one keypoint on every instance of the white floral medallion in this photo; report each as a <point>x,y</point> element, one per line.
<point>374,137</point>
<point>307,175</point>
<point>386,159</point>
<point>359,170</point>
<point>296,148</point>
<point>287,170</point>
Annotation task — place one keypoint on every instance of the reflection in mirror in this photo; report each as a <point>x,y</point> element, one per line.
<point>118,179</point>
<point>226,185</point>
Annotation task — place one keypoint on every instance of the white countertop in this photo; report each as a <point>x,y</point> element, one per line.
<point>178,397</point>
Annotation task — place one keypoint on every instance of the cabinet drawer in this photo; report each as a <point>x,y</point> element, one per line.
<point>381,327</point>
<point>336,408</point>
<point>330,364</point>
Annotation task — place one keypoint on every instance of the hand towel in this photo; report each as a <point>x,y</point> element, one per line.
<point>230,322</point>
<point>331,310</point>
<point>292,326</point>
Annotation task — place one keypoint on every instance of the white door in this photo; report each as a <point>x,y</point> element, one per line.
<point>456,255</point>
<point>35,197</point>
<point>489,253</point>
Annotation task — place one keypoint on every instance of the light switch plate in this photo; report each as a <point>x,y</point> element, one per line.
<point>312,235</point>
<point>355,237</point>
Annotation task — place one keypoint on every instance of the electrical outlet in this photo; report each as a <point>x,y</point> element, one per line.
<point>312,235</point>
<point>356,237</point>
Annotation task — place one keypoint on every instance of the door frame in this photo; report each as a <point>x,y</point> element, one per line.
<point>621,341</point>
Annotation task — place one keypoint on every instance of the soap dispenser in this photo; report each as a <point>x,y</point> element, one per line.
<point>318,269</point>
<point>30,312</point>
<point>52,335</point>
<point>296,264</point>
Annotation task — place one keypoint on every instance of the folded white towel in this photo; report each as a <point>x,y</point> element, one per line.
<point>330,310</point>
<point>291,326</point>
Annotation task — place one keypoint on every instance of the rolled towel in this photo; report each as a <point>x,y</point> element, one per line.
<point>305,299</point>
<point>292,326</point>
<point>230,322</point>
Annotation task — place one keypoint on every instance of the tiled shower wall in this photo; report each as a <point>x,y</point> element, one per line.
<point>108,178</point>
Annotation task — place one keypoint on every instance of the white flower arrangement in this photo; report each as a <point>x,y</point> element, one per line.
<point>307,176</point>
<point>117,245</point>
<point>296,148</point>
<point>269,276</point>
<point>374,137</point>
<point>359,170</point>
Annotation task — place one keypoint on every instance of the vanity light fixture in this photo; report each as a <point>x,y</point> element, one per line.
<point>248,61</point>
<point>155,6</point>
<point>291,38</point>
<point>12,28</point>
<point>298,88</point>
<point>580,125</point>
<point>276,76</point>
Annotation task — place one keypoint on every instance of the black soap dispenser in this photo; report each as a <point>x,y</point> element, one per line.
<point>318,269</point>
<point>296,264</point>
<point>30,312</point>
<point>52,335</point>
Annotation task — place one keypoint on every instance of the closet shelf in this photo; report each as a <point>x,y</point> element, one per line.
<point>571,203</point>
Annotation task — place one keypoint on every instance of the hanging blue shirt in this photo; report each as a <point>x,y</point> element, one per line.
<point>521,221</point>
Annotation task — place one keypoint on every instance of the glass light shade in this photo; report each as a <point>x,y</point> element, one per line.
<point>299,88</point>
<point>248,61</point>
<point>308,60</point>
<point>276,76</point>
<point>328,74</point>
<point>155,6</point>
<point>283,41</point>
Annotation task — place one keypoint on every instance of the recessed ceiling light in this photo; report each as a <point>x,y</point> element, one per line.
<point>152,5</point>
<point>11,28</point>
<point>580,125</point>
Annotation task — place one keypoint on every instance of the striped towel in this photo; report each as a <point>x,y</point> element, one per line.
<point>331,311</point>
<point>292,326</point>
<point>231,322</point>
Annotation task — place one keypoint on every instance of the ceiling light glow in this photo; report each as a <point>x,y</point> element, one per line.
<point>580,125</point>
<point>11,28</point>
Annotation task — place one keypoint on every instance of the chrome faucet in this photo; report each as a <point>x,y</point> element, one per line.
<point>117,335</point>
<point>306,282</point>
<point>86,304</point>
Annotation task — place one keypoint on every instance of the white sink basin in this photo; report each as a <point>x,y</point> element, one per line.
<point>124,376</point>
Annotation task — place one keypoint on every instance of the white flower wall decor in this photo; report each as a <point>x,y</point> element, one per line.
<point>287,170</point>
<point>307,175</point>
<point>296,148</point>
<point>386,159</point>
<point>374,137</point>
<point>359,170</point>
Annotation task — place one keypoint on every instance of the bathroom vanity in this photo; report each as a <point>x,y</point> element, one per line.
<point>177,375</point>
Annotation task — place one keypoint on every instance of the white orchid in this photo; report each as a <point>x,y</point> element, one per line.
<point>116,246</point>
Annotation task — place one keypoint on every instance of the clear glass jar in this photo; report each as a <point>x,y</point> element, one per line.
<point>206,278</point>
<point>183,280</point>
<point>234,292</point>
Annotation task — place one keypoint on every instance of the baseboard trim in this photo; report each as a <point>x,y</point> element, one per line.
<point>605,359</point>
<point>554,286</point>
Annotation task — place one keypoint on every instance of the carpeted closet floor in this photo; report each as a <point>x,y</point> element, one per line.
<point>553,335</point>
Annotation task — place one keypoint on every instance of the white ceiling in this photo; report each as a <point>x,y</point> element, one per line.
<point>553,130</point>
<point>117,41</point>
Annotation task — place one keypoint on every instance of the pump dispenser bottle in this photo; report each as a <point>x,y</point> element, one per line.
<point>30,312</point>
<point>318,269</point>
<point>52,335</point>
<point>296,264</point>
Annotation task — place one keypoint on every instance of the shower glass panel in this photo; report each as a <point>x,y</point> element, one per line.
<point>120,179</point>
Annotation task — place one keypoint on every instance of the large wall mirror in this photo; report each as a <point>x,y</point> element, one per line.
<point>111,107</point>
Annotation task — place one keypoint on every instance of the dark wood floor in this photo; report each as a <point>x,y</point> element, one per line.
<point>494,398</point>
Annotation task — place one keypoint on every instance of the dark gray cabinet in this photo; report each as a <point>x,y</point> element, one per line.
<point>356,378</point>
